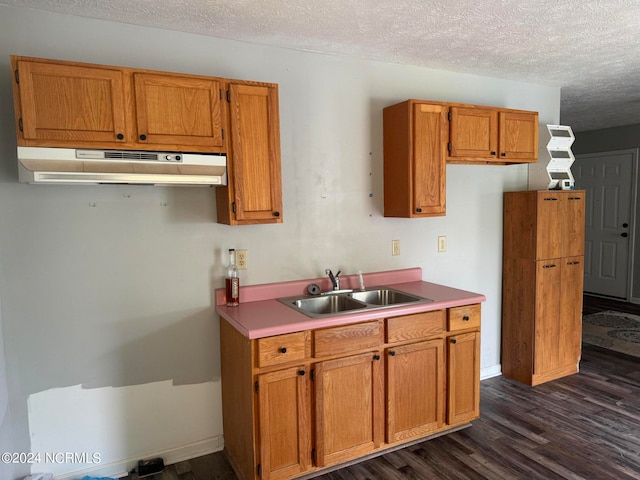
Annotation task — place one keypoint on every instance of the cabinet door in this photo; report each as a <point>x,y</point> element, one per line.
<point>284,418</point>
<point>573,223</point>
<point>178,111</point>
<point>429,155</point>
<point>549,225</point>
<point>547,308</point>
<point>415,389</point>
<point>518,136</point>
<point>255,156</point>
<point>463,378</point>
<point>69,104</point>
<point>570,338</point>
<point>349,407</point>
<point>473,133</point>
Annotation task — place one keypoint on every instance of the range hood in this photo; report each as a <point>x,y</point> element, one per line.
<point>84,166</point>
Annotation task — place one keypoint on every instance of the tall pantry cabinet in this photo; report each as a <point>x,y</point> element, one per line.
<point>542,284</point>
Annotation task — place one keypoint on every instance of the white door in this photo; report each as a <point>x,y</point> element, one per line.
<point>608,179</point>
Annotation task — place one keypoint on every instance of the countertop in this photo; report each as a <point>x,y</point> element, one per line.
<point>260,314</point>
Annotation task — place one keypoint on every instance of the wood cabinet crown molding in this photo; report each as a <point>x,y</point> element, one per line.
<point>69,104</point>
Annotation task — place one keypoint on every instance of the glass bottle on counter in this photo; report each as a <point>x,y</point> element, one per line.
<point>232,282</point>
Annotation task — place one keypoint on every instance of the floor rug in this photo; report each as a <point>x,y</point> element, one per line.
<point>613,330</point>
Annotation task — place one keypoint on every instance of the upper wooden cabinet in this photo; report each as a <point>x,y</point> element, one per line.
<point>415,142</point>
<point>64,104</point>
<point>420,137</point>
<point>255,193</point>
<point>518,137</point>
<point>492,135</point>
<point>178,110</point>
<point>76,105</point>
<point>80,105</point>
<point>473,133</point>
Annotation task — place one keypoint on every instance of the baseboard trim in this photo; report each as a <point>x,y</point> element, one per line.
<point>490,372</point>
<point>122,468</point>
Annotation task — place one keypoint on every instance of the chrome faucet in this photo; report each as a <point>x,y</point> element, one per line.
<point>335,280</point>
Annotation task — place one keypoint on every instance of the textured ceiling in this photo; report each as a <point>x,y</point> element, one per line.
<point>590,48</point>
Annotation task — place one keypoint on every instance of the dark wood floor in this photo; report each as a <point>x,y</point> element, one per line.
<point>586,426</point>
<point>592,304</point>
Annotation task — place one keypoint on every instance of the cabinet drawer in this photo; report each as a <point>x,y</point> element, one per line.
<point>420,325</point>
<point>357,336</point>
<point>462,318</point>
<point>283,348</point>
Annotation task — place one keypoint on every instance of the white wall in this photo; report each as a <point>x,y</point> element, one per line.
<point>6,440</point>
<point>110,328</point>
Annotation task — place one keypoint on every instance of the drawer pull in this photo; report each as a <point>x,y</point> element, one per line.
<point>573,263</point>
<point>453,340</point>
<point>549,266</point>
<point>376,357</point>
<point>392,353</point>
<point>283,350</point>
<point>301,373</point>
<point>551,199</point>
<point>465,318</point>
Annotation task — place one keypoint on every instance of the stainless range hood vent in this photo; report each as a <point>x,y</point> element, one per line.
<point>84,166</point>
<point>131,155</point>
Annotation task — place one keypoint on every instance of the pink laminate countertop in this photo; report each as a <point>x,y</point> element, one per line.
<point>261,315</point>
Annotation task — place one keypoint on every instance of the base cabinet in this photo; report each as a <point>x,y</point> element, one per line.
<point>415,390</point>
<point>349,407</point>
<point>300,402</point>
<point>463,359</point>
<point>285,437</point>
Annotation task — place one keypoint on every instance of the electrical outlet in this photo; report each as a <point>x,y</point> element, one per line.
<point>241,259</point>
<point>442,243</point>
<point>395,247</point>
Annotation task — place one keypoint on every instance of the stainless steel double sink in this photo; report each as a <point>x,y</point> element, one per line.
<point>330,303</point>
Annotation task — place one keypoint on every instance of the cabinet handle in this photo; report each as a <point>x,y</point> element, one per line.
<point>283,350</point>
<point>453,340</point>
<point>465,318</point>
<point>573,263</point>
<point>625,225</point>
<point>276,214</point>
<point>392,353</point>
<point>503,154</point>
<point>550,199</point>
<point>624,234</point>
<point>301,373</point>
<point>120,136</point>
<point>143,137</point>
<point>376,357</point>
<point>549,266</point>
<point>575,198</point>
<point>419,210</point>
<point>493,154</point>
